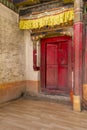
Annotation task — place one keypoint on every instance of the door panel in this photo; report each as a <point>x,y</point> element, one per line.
<point>51,66</point>
<point>51,80</point>
<point>62,78</point>
<point>63,65</point>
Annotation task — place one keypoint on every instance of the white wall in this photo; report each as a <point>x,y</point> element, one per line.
<point>30,73</point>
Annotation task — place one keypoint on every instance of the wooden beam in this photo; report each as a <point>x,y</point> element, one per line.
<point>40,7</point>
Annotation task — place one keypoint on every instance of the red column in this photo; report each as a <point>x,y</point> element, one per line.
<point>85,64</point>
<point>78,34</point>
<point>78,27</point>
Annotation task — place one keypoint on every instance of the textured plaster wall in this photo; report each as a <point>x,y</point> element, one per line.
<point>11,47</point>
<point>30,73</point>
<point>12,55</point>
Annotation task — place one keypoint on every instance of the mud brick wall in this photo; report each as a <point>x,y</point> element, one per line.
<point>12,56</point>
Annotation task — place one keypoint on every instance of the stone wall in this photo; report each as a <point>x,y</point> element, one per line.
<point>12,56</point>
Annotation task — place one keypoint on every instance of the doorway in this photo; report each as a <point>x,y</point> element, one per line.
<point>56,69</point>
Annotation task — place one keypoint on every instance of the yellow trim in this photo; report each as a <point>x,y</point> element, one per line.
<point>63,17</point>
<point>27,2</point>
<point>68,1</point>
<point>37,1</point>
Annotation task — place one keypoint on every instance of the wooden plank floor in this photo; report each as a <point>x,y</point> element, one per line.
<point>29,114</point>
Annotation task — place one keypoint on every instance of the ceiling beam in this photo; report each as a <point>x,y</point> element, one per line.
<point>41,7</point>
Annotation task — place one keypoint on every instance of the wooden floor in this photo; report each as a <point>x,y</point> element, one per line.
<point>31,114</point>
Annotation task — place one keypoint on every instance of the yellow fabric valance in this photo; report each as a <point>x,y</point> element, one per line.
<point>52,20</point>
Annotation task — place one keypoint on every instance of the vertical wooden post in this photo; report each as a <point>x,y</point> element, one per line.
<point>85,64</point>
<point>78,33</point>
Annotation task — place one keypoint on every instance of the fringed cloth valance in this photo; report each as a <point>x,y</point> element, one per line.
<point>57,19</point>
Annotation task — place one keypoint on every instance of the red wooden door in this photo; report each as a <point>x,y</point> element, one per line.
<point>56,65</point>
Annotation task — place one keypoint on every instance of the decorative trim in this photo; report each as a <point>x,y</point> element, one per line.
<point>68,1</point>
<point>25,2</point>
<point>52,20</point>
<point>16,83</point>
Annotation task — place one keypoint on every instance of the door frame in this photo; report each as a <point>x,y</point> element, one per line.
<point>52,40</point>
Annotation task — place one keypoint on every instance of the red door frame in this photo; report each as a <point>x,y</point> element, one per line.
<point>43,61</point>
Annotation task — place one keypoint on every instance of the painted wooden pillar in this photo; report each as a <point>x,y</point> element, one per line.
<point>85,64</point>
<point>78,32</point>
